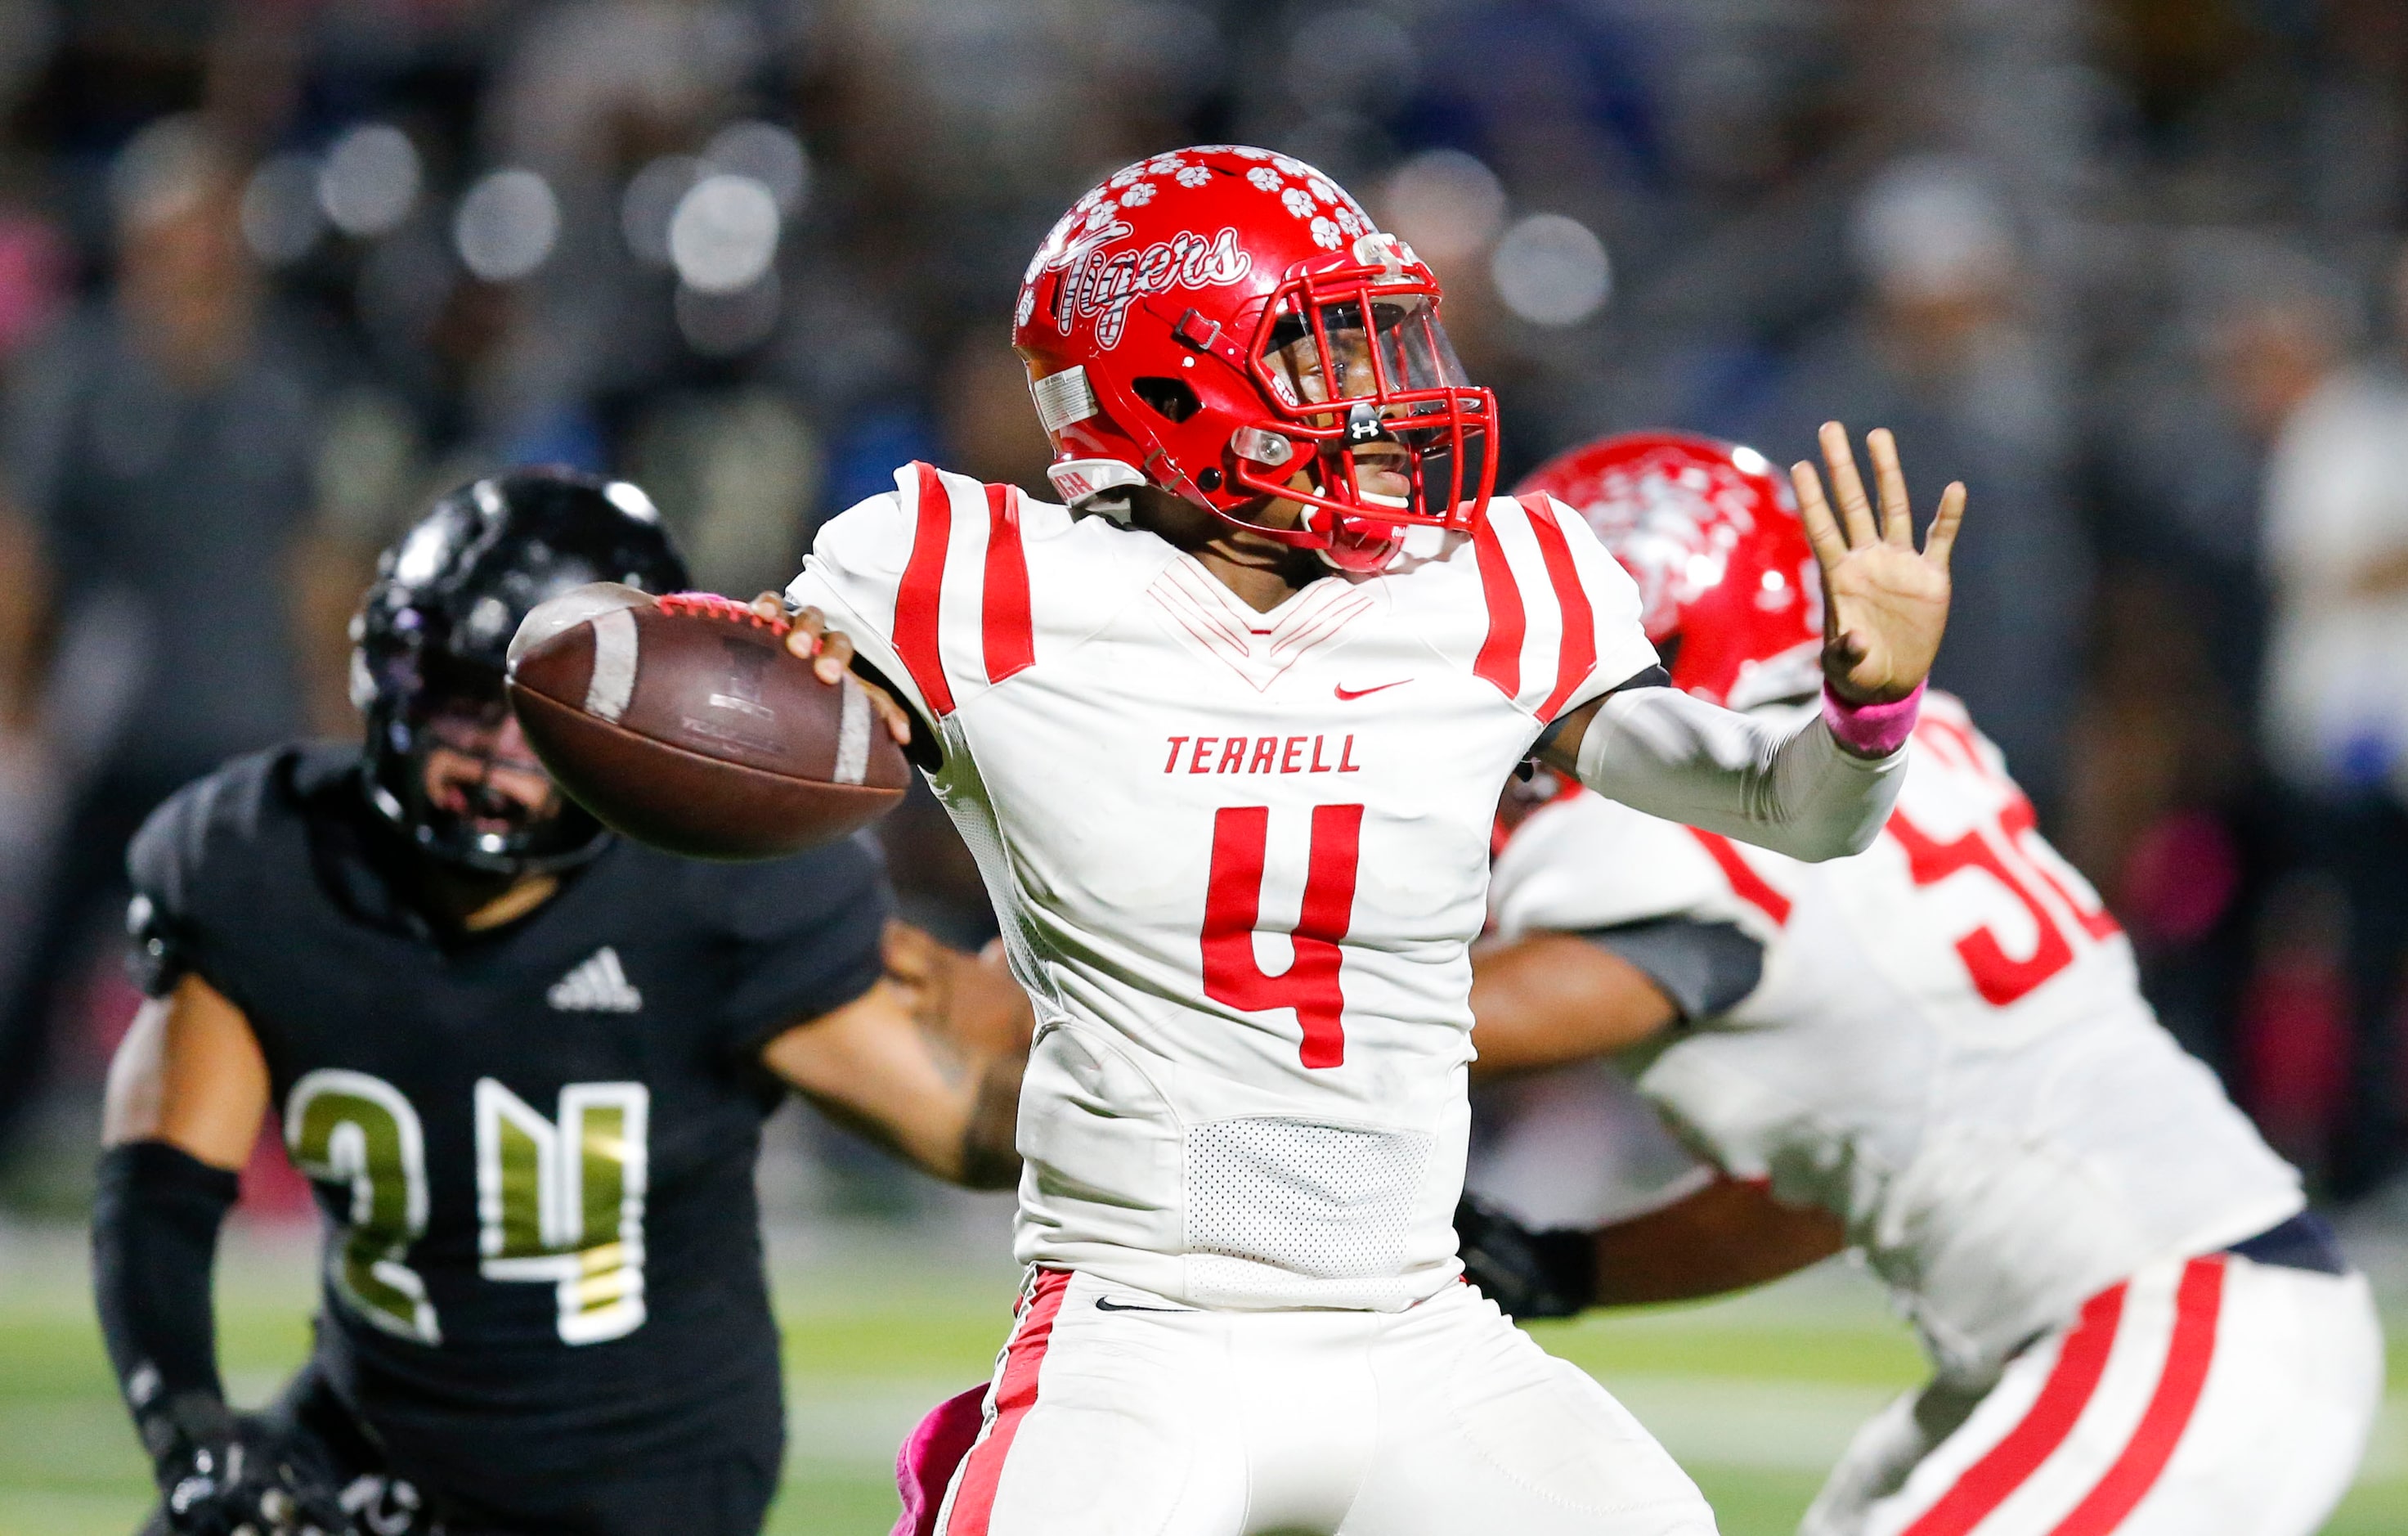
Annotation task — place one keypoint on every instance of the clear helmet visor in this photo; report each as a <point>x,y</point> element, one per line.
<point>1403,445</point>
<point>1403,349</point>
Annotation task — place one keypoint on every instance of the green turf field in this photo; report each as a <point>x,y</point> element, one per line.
<point>1755,1397</point>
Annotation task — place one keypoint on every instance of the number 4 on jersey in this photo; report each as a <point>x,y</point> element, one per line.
<point>564,1202</point>
<point>1233,902</point>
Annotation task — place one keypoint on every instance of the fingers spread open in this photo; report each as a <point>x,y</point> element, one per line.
<point>1822,532</point>
<point>1897,516</point>
<point>1943,537</point>
<point>1847,486</point>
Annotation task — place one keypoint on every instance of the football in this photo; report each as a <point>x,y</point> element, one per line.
<point>684,722</point>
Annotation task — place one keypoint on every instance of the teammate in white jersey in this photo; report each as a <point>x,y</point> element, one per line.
<point>1226,735</point>
<point>1934,1053</point>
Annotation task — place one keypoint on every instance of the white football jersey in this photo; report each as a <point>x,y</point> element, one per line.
<point>1948,1046</point>
<point>1237,857</point>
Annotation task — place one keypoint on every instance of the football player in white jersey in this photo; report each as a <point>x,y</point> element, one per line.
<point>1936,1054</point>
<point>1226,735</point>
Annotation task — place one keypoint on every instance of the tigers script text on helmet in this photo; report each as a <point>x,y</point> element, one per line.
<point>1710,532</point>
<point>1224,323</point>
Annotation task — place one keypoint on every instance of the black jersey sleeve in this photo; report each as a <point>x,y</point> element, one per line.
<point>807,933</point>
<point>165,865</point>
<point>1705,969</point>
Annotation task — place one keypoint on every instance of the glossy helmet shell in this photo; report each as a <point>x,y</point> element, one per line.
<point>1147,318</point>
<point>1709,531</point>
<point>439,621</point>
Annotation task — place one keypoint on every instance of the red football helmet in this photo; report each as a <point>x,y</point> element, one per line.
<point>1709,531</point>
<point>1226,324</point>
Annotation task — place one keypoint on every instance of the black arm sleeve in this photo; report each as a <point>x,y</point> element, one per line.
<point>1705,968</point>
<point>154,1241</point>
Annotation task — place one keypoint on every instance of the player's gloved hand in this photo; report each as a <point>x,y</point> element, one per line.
<point>1527,1273</point>
<point>222,1473</point>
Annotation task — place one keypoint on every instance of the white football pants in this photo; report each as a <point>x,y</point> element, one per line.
<point>2203,1397</point>
<point>1117,1412</point>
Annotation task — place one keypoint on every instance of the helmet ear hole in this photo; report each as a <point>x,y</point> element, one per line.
<point>1171,399</point>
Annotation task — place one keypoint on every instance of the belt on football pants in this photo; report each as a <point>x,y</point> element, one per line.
<point>2303,1243</point>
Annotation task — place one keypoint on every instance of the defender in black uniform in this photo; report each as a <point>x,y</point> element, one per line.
<point>525,1065</point>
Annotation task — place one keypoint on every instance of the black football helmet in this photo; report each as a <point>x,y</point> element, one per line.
<point>432,638</point>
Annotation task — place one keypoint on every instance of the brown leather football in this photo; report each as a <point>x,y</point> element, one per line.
<point>684,722</point>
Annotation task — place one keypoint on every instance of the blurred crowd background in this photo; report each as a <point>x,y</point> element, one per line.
<point>274,273</point>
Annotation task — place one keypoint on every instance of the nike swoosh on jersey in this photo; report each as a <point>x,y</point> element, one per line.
<point>1105,1303</point>
<point>1348,695</point>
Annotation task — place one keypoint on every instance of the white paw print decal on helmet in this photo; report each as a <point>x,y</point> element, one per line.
<point>1349,221</point>
<point>1264,178</point>
<point>1294,168</point>
<point>1325,235</point>
<point>1165,165</point>
<point>1323,190</point>
<point>1193,176</point>
<point>1122,178</point>
<point>1299,202</point>
<point>1138,195</point>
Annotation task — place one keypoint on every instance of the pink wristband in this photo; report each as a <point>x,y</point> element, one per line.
<point>1872,731</point>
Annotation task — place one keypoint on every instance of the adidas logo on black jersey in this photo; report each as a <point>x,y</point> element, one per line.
<point>599,984</point>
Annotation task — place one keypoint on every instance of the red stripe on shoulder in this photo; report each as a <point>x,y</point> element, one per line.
<point>1005,634</point>
<point>1015,1394</point>
<point>1500,652</point>
<point>1576,649</point>
<point>2081,1360</point>
<point>1745,883</point>
<point>918,601</point>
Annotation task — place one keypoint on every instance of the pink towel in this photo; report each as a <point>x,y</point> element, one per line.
<point>924,1469</point>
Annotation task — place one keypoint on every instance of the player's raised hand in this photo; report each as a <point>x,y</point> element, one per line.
<point>1885,603</point>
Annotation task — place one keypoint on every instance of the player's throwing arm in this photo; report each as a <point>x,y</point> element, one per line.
<point>1824,789</point>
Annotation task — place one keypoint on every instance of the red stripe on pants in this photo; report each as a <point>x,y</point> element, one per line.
<point>1985,1484</point>
<point>2198,1301</point>
<point>1015,1394</point>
